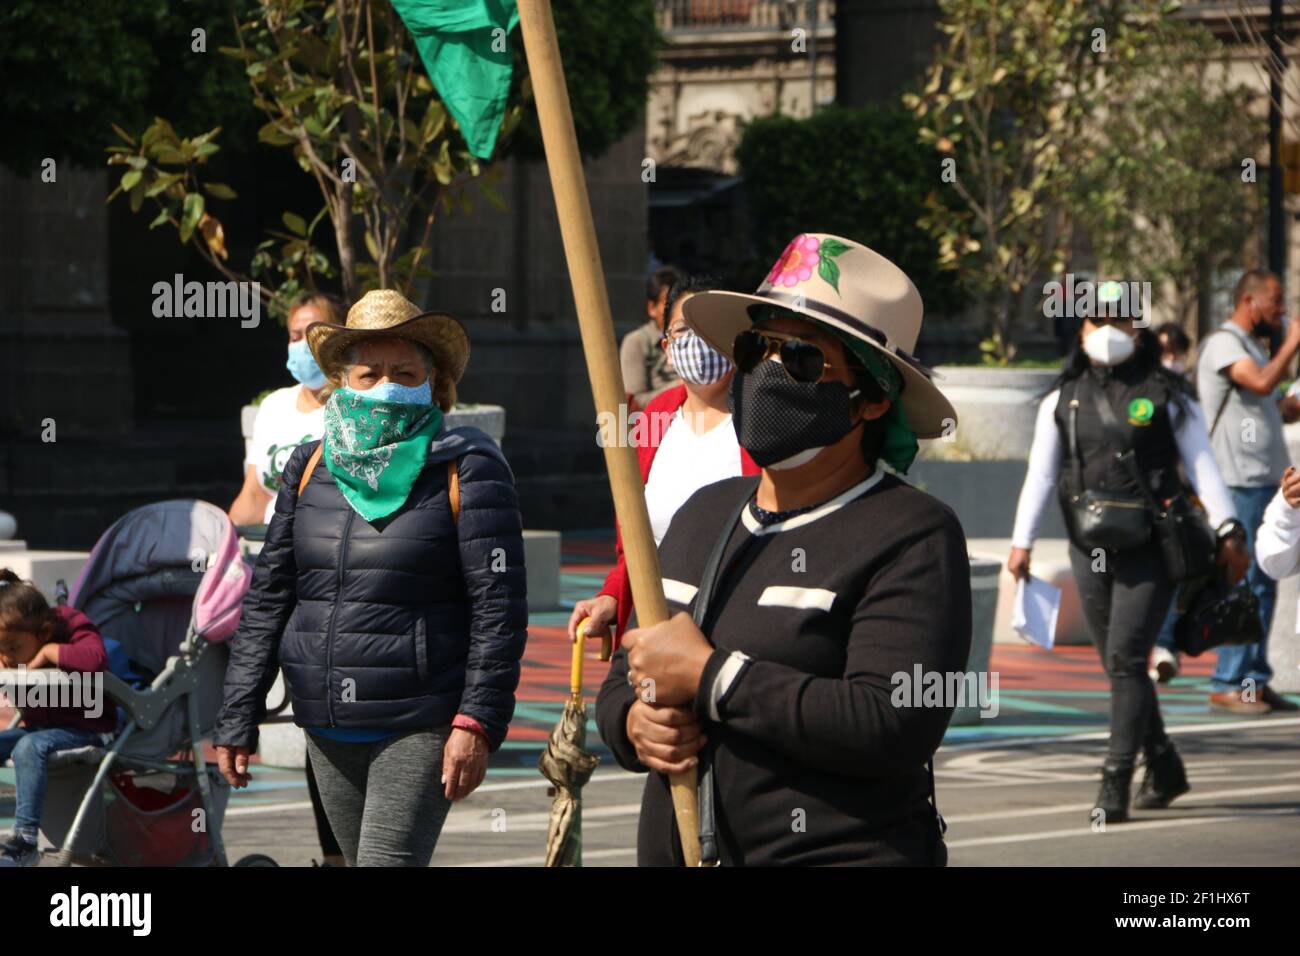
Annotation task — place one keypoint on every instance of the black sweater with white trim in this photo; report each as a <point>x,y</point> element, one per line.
<point>813,763</point>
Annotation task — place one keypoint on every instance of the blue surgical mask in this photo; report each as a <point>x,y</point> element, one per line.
<point>420,394</point>
<point>302,365</point>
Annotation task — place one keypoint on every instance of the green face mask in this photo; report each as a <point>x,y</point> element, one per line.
<point>376,449</point>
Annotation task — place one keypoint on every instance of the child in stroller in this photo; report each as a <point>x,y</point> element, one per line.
<point>34,635</point>
<point>165,585</point>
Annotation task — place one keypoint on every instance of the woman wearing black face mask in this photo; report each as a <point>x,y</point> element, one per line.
<point>1114,398</point>
<point>807,598</point>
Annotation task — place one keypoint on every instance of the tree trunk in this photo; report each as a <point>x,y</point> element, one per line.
<point>342,220</point>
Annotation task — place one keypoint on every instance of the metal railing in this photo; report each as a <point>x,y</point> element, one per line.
<point>681,15</point>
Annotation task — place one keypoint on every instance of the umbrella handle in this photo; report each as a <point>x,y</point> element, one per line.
<point>575,667</point>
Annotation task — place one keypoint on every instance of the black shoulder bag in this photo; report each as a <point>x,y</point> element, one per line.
<point>1187,541</point>
<point>1111,520</point>
<point>1216,614</point>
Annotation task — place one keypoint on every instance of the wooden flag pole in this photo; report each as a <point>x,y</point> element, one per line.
<point>597,330</point>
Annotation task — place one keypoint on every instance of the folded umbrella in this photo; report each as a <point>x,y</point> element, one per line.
<point>568,765</point>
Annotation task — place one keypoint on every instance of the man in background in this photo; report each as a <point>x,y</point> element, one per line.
<point>646,371</point>
<point>1237,383</point>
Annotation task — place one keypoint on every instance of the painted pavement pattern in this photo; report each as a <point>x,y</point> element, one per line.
<point>1034,768</point>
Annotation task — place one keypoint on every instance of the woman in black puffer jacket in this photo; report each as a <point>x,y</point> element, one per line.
<point>390,589</point>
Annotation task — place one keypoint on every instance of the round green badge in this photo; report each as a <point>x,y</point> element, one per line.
<point>1140,411</point>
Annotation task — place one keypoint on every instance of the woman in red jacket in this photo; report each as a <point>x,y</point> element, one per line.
<point>33,635</point>
<point>688,442</point>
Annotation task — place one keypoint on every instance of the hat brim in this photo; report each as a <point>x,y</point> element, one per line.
<point>440,333</point>
<point>719,316</point>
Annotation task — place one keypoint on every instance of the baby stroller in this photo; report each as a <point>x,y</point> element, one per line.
<point>166,582</point>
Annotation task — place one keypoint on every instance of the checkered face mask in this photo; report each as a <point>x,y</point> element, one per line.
<point>696,361</point>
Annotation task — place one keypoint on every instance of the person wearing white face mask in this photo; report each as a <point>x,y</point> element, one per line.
<point>288,416</point>
<point>1115,418</point>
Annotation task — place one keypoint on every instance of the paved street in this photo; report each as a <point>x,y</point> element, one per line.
<point>1016,790</point>
<point>1023,804</point>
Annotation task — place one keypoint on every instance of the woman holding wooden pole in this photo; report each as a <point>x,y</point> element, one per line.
<point>564,163</point>
<point>814,602</point>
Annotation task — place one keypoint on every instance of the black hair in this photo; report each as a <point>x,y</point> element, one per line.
<point>688,284</point>
<point>1146,357</point>
<point>873,432</point>
<point>665,277</point>
<point>1178,339</point>
<point>1253,282</point>
<point>330,305</point>
<point>22,606</point>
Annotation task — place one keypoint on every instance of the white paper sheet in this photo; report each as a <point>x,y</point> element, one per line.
<point>1034,614</point>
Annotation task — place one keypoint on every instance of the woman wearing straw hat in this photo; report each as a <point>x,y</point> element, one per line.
<point>390,590</point>
<point>805,595</point>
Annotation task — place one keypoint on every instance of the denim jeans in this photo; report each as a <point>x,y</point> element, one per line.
<point>1165,638</point>
<point>30,750</point>
<point>1240,662</point>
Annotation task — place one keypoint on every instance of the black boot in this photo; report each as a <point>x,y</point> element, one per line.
<point>1113,798</point>
<point>1164,779</point>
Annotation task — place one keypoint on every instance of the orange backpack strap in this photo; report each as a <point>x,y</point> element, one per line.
<point>310,467</point>
<point>453,490</point>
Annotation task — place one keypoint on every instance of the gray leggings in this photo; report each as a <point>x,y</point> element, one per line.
<point>384,800</point>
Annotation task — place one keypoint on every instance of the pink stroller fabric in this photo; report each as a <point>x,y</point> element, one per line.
<point>161,571</point>
<point>220,596</point>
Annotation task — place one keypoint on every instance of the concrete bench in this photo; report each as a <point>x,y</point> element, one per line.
<point>984,575</point>
<point>42,568</point>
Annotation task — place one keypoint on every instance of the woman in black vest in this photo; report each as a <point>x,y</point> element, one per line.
<point>1114,395</point>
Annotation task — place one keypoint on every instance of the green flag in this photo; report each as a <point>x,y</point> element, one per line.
<point>464,47</point>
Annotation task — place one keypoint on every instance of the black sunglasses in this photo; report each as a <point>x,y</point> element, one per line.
<point>802,361</point>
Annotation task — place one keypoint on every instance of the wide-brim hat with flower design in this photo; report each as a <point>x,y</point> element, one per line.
<point>854,293</point>
<point>385,313</point>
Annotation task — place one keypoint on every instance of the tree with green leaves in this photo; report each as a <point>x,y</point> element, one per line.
<point>341,85</point>
<point>1164,197</point>
<point>859,173</point>
<point>70,69</point>
<point>1008,102</point>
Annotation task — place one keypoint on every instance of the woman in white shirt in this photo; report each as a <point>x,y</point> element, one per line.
<point>288,416</point>
<point>1115,373</point>
<point>685,442</point>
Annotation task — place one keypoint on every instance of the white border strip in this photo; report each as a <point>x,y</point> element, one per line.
<point>821,511</point>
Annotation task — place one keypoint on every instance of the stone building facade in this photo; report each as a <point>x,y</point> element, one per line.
<point>725,62</point>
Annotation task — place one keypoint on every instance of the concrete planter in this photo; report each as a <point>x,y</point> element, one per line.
<point>984,575</point>
<point>995,412</point>
<point>489,418</point>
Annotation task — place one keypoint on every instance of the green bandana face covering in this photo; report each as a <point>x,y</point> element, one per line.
<point>376,449</point>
